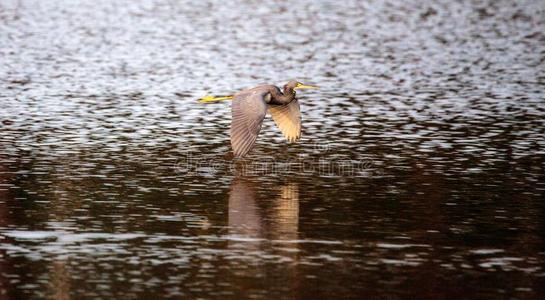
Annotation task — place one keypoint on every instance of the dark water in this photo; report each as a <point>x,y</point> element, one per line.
<point>420,172</point>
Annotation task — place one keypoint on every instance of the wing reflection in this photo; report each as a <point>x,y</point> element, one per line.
<point>258,223</point>
<point>286,213</point>
<point>244,217</point>
<point>252,217</point>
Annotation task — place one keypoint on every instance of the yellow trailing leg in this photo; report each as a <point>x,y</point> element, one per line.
<point>210,98</point>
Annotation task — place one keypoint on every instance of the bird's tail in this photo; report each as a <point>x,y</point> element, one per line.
<point>211,98</point>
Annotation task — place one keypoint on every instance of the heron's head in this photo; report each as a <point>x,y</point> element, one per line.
<point>293,85</point>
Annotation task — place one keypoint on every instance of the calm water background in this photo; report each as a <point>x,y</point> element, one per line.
<point>420,171</point>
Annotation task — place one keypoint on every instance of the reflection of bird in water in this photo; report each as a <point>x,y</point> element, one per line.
<point>250,107</point>
<point>286,213</point>
<point>243,212</point>
<point>259,232</point>
<point>246,219</point>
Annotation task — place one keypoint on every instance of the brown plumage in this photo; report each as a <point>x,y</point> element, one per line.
<point>250,107</point>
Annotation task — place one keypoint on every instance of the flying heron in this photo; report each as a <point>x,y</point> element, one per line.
<point>250,107</point>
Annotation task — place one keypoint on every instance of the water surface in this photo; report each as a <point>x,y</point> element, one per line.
<point>420,172</point>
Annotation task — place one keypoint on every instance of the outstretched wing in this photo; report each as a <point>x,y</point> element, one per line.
<point>288,119</point>
<point>248,111</point>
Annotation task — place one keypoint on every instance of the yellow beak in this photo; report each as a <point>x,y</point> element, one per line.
<point>301,86</point>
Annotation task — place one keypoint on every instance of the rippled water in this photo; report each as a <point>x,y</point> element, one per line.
<point>420,172</point>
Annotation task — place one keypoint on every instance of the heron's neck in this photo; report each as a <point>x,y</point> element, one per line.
<point>282,98</point>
